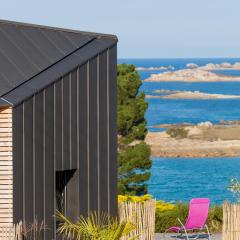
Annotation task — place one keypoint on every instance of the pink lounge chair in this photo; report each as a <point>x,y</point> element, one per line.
<point>196,220</point>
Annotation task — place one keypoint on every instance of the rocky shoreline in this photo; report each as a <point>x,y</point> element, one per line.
<point>190,75</point>
<point>193,95</point>
<point>202,141</point>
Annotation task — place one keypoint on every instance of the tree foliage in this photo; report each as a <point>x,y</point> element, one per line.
<point>134,154</point>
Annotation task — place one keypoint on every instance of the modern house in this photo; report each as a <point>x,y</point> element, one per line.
<point>58,130</point>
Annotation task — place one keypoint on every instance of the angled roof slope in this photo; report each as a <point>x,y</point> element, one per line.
<point>26,51</point>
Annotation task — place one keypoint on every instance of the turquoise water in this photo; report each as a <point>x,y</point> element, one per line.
<point>179,179</point>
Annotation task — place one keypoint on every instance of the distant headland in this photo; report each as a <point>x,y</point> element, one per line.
<point>191,95</point>
<point>190,75</point>
<point>202,140</point>
<point>155,68</point>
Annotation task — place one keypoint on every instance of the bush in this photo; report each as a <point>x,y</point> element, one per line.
<point>176,132</point>
<point>160,205</point>
<point>168,218</point>
<point>130,198</point>
<point>215,219</point>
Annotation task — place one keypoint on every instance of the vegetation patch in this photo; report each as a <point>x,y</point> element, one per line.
<point>177,132</point>
<point>134,160</point>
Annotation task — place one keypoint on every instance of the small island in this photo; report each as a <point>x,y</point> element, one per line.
<point>192,95</point>
<point>221,66</point>
<point>202,140</point>
<point>190,75</point>
<point>154,68</point>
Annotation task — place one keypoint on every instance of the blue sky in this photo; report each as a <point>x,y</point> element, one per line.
<point>152,29</point>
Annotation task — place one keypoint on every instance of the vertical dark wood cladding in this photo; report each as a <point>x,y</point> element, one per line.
<point>49,196</point>
<point>66,121</point>
<point>28,159</point>
<point>93,135</point>
<point>83,138</point>
<point>58,125</point>
<point>39,156</point>
<point>103,131</point>
<point>70,125</point>
<point>112,119</point>
<point>73,120</point>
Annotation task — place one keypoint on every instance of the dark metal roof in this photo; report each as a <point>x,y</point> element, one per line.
<point>34,52</point>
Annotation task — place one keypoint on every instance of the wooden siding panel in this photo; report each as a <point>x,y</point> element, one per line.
<point>83,139</point>
<point>58,125</point>
<point>93,134</point>
<point>49,162</point>
<point>28,160</point>
<point>103,132</point>
<point>66,122</point>
<point>6,168</point>
<point>39,148</point>
<point>112,87</point>
<point>73,119</point>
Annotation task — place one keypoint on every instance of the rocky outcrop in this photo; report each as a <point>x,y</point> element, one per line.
<point>190,75</point>
<point>155,68</point>
<point>164,146</point>
<point>198,95</point>
<point>192,95</point>
<point>202,140</point>
<point>221,66</point>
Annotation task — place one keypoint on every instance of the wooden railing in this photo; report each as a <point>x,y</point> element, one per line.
<point>12,232</point>
<point>142,215</point>
<point>231,221</point>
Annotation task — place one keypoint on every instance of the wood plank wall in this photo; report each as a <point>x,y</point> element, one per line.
<point>6,168</point>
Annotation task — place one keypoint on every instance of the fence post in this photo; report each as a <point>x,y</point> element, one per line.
<point>13,232</point>
<point>231,221</point>
<point>142,215</point>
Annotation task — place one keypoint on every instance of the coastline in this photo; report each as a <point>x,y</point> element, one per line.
<point>192,95</point>
<point>213,141</point>
<point>191,75</point>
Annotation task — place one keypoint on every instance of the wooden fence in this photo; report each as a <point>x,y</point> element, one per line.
<point>13,232</point>
<point>142,215</point>
<point>231,221</point>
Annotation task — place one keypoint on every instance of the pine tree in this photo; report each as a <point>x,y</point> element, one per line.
<point>134,160</point>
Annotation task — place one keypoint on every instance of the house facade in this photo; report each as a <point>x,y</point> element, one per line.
<point>58,124</point>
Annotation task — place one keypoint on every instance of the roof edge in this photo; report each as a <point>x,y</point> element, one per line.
<point>59,29</point>
<point>4,103</point>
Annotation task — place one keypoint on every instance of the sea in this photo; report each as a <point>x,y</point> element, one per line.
<point>180,179</point>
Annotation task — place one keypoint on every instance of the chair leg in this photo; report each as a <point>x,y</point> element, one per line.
<point>185,231</point>
<point>209,235</point>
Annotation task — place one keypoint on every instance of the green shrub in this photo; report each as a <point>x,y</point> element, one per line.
<point>177,132</point>
<point>215,218</point>
<point>166,219</point>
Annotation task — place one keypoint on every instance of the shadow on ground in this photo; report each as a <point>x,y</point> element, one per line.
<point>161,236</point>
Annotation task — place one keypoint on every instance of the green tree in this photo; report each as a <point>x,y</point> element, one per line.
<point>134,154</point>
